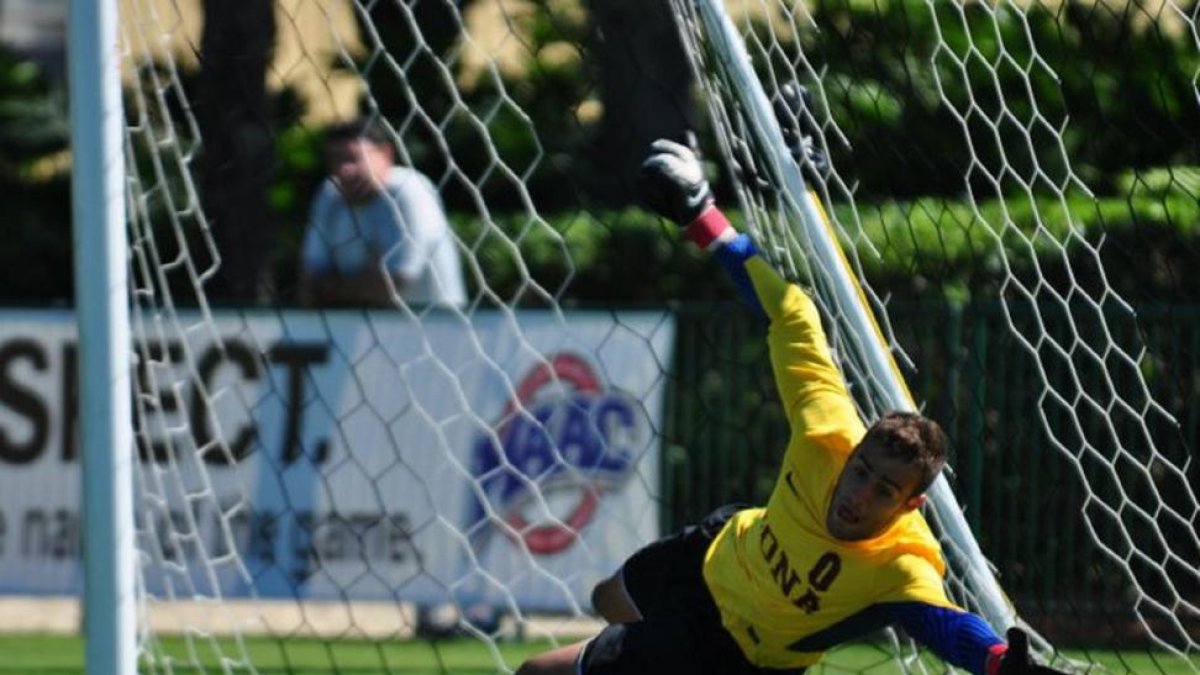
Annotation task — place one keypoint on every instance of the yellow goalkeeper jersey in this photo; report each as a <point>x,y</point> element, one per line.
<point>781,581</point>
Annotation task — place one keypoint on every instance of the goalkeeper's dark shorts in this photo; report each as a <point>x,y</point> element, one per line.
<point>680,630</point>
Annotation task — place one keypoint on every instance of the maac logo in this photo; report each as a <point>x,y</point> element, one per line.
<point>560,445</point>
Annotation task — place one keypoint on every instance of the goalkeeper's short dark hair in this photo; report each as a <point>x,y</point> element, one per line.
<point>359,128</point>
<point>913,438</point>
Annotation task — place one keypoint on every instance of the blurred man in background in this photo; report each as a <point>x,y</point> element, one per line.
<point>377,234</point>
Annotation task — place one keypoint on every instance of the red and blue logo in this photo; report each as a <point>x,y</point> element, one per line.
<point>561,444</point>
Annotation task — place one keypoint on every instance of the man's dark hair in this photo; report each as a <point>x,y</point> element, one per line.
<point>913,438</point>
<point>352,130</point>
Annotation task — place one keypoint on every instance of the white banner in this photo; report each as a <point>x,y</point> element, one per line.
<point>511,458</point>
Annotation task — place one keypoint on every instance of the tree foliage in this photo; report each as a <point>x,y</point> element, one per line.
<point>1110,88</point>
<point>1116,80</point>
<point>34,185</point>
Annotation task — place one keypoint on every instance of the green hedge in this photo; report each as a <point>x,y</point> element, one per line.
<point>928,247</point>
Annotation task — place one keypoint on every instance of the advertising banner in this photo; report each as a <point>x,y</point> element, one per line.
<point>502,457</point>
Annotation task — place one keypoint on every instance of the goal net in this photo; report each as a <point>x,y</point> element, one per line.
<point>342,489</point>
<point>436,489</point>
<point>999,109</point>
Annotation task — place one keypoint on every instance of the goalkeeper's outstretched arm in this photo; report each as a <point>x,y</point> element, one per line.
<point>810,385</point>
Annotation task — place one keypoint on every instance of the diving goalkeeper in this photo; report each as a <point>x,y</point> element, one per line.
<point>839,550</point>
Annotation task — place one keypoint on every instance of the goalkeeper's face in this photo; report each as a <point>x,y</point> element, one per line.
<point>872,492</point>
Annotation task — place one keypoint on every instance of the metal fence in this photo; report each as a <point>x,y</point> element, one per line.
<point>1024,499</point>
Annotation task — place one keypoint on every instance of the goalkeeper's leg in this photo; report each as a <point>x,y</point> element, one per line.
<point>560,661</point>
<point>612,602</point>
<point>661,613</point>
<point>651,647</point>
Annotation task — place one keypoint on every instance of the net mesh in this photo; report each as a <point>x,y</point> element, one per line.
<point>312,484</point>
<point>317,489</point>
<point>1026,214</point>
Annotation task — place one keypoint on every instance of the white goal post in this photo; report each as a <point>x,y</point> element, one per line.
<point>106,428</point>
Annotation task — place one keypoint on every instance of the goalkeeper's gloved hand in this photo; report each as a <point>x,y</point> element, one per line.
<point>672,183</point>
<point>793,110</point>
<point>1017,661</point>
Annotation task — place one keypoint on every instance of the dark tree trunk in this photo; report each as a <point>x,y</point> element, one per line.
<point>237,152</point>
<point>645,88</point>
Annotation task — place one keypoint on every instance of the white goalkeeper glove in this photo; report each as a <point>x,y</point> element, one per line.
<point>672,183</point>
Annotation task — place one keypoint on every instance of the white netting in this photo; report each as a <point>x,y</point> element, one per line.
<point>348,477</point>
<point>1025,208</point>
<point>316,487</point>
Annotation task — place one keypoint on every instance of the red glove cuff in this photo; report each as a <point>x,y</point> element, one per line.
<point>994,658</point>
<point>707,227</point>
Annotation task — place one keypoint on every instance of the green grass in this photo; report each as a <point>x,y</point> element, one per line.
<point>63,655</point>
<point>45,655</point>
